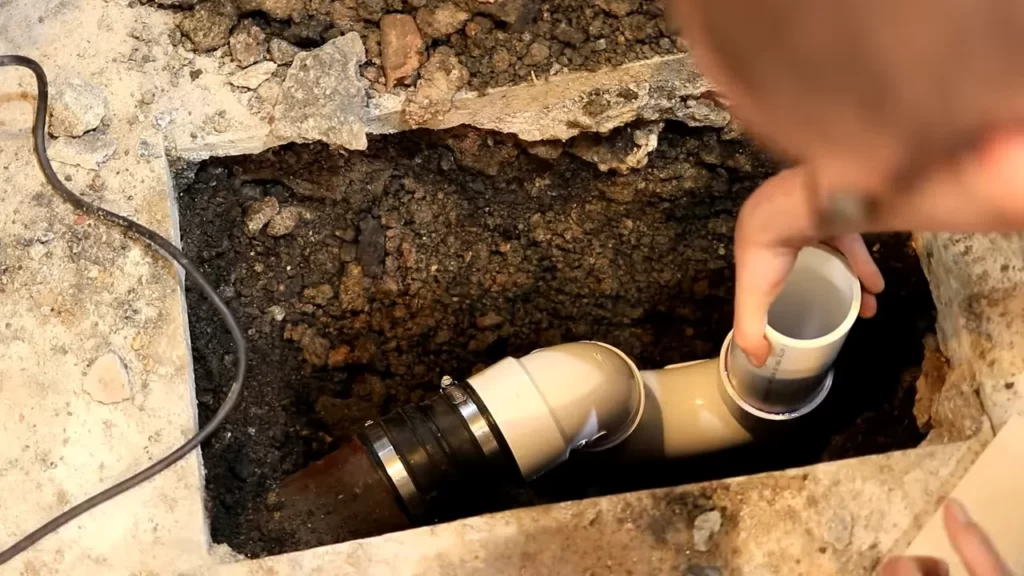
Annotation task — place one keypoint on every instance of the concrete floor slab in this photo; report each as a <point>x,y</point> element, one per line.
<point>838,518</point>
<point>76,291</point>
<point>73,291</point>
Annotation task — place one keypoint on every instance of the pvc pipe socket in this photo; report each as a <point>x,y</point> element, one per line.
<point>711,405</point>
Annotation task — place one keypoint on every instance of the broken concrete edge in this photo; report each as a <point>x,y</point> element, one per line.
<point>567,105</point>
<point>653,531</point>
<point>174,235</point>
<point>973,449</point>
<point>975,281</point>
<point>559,108</point>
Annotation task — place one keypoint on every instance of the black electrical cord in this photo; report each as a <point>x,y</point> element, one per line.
<point>165,246</point>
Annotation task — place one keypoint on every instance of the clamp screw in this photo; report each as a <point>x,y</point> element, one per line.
<point>447,382</point>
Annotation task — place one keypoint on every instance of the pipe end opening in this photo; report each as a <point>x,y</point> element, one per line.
<point>820,300</point>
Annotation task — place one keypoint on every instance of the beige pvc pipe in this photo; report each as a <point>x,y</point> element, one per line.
<point>685,414</point>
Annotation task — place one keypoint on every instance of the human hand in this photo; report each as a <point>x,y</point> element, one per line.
<point>969,541</point>
<point>774,224</point>
<point>861,93</point>
<point>842,88</point>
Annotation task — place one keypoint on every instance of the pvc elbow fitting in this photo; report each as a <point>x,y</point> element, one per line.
<point>583,395</point>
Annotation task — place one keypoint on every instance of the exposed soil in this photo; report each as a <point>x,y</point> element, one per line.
<point>440,253</point>
<point>575,34</point>
<point>502,42</point>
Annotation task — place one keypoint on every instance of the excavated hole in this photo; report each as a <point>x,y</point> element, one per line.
<point>471,249</point>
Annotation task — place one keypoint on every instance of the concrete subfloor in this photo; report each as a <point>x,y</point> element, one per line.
<point>79,301</point>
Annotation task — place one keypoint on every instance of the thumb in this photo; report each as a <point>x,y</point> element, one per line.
<point>761,272</point>
<point>771,227</point>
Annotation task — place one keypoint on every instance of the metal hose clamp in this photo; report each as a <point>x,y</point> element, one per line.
<point>393,464</point>
<point>472,415</point>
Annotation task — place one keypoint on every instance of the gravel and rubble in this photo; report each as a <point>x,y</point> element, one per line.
<point>501,43</point>
<point>430,50</point>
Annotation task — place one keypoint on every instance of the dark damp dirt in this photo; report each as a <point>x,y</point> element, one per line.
<point>440,253</point>
<point>502,43</point>
<point>564,35</point>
